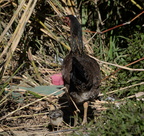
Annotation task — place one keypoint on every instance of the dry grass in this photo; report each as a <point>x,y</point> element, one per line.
<point>32,42</point>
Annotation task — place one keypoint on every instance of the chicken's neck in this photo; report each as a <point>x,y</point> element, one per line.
<point>76,39</point>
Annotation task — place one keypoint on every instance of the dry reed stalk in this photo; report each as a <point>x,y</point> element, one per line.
<point>52,35</point>
<point>34,67</point>
<point>28,79</point>
<point>14,40</point>
<point>10,24</point>
<point>52,4</point>
<point>27,116</point>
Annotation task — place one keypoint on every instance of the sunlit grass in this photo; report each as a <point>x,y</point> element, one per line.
<point>34,38</point>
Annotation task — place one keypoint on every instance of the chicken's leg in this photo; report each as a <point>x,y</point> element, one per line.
<point>85,105</point>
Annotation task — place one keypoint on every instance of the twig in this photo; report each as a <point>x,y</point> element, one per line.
<point>13,128</point>
<point>117,25</point>
<point>121,67</point>
<point>90,38</point>
<point>26,116</point>
<point>136,4</point>
<point>127,87</point>
<point>77,109</point>
<point>132,96</point>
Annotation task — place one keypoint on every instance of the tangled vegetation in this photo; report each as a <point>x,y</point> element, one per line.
<point>34,40</point>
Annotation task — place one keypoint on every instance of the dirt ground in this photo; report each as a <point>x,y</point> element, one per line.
<point>33,120</point>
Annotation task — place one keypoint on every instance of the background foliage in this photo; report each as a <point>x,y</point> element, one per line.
<point>38,47</point>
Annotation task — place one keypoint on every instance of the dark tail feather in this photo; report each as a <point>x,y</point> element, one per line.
<point>78,74</point>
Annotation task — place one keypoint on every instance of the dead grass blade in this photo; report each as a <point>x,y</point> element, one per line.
<point>34,67</point>
<point>10,23</point>
<point>13,42</point>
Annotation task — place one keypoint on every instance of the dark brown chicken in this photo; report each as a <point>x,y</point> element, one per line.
<point>81,73</point>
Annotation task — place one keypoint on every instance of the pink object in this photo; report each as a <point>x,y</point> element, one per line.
<point>57,79</point>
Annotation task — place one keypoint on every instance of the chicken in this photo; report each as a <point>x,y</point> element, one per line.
<point>56,118</point>
<point>81,73</point>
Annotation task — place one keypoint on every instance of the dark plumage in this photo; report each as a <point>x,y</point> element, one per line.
<point>81,73</point>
